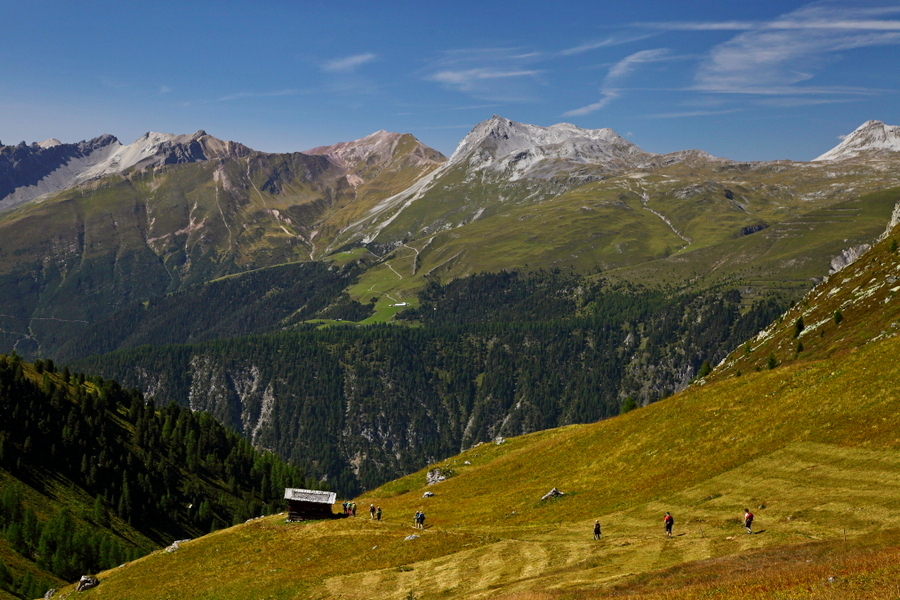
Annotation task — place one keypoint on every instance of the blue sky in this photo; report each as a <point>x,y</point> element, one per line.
<point>745,80</point>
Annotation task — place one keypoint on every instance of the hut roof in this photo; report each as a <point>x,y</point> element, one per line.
<point>316,496</point>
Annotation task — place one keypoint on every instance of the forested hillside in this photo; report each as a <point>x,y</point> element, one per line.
<point>261,301</point>
<point>363,405</point>
<point>92,475</point>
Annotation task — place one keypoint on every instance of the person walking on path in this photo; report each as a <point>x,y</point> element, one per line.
<point>748,520</point>
<point>416,519</point>
<point>669,522</point>
<point>346,506</point>
<point>421,520</point>
<point>597,530</point>
<point>378,514</point>
<point>353,508</point>
<point>371,511</point>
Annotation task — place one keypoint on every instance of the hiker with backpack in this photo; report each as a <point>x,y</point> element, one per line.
<point>597,530</point>
<point>669,521</point>
<point>748,520</point>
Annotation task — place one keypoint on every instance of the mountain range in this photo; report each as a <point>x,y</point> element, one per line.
<point>797,425</point>
<point>204,272</point>
<point>374,311</point>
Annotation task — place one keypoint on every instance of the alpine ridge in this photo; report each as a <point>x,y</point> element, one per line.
<point>40,169</point>
<point>870,136</point>
<point>524,150</point>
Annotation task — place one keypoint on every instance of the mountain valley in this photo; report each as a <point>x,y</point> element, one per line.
<point>549,306</point>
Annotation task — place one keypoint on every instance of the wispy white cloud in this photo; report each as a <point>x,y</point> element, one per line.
<point>348,64</point>
<point>691,113</point>
<point>604,43</point>
<point>631,62</point>
<point>494,74</point>
<point>794,101</point>
<point>164,89</point>
<point>774,57</point>
<point>607,96</point>
<point>621,69</point>
<point>467,80</point>
<point>701,25</point>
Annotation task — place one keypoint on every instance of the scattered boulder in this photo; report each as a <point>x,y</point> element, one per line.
<point>428,494</point>
<point>553,494</point>
<point>87,582</point>
<point>437,475</point>
<point>411,537</point>
<point>175,545</point>
<point>467,463</point>
<point>499,440</point>
<point>751,229</point>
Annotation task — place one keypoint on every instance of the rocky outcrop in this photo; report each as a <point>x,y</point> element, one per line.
<point>554,493</point>
<point>437,475</point>
<point>847,256</point>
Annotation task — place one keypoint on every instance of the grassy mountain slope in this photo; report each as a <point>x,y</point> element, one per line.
<point>97,248</point>
<point>821,468</point>
<point>810,446</point>
<point>676,225</point>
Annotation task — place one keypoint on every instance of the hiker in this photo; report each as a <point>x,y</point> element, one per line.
<point>346,508</point>
<point>371,511</point>
<point>748,520</point>
<point>416,519</point>
<point>669,521</point>
<point>421,520</point>
<point>353,508</point>
<point>597,530</point>
<point>378,514</point>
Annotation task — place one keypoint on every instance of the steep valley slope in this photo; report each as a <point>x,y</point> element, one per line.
<point>808,442</point>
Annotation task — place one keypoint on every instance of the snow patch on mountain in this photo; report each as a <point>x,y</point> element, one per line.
<point>871,135</point>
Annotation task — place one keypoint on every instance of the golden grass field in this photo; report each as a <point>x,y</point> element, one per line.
<point>811,448</point>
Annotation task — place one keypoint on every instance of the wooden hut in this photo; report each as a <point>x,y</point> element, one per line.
<point>308,504</point>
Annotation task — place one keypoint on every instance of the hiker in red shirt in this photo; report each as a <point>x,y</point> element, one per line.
<point>669,521</point>
<point>748,520</point>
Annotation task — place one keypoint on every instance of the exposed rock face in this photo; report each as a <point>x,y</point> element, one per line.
<point>524,150</point>
<point>753,228</point>
<point>847,257</point>
<point>871,135</point>
<point>375,149</point>
<point>28,172</point>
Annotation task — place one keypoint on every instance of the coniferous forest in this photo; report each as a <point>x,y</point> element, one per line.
<point>121,476</point>
<point>492,355</point>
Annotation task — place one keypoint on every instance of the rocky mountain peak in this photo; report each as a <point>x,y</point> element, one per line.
<point>532,150</point>
<point>377,148</point>
<point>871,135</point>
